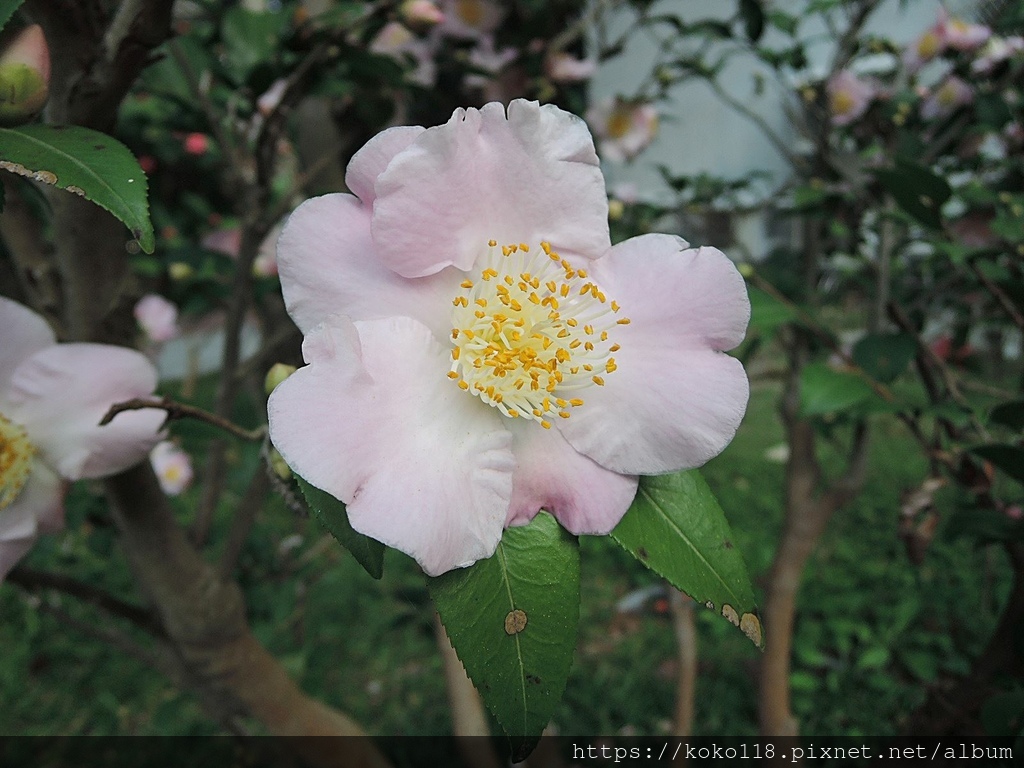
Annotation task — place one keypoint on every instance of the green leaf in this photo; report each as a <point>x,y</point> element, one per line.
<point>512,620</point>
<point>1009,414</point>
<point>753,19</point>
<point>916,190</point>
<point>884,356</point>
<point>7,9</point>
<point>768,313</point>
<point>86,162</point>
<point>251,37</point>
<point>332,516</point>
<point>825,390</point>
<point>1008,458</point>
<point>676,528</point>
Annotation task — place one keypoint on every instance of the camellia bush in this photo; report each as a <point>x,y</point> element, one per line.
<point>462,365</point>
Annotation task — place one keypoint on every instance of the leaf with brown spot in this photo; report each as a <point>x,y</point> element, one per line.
<point>86,162</point>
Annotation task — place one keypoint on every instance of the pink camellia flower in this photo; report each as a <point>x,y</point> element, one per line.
<point>623,128</point>
<point>173,467</point>
<point>470,19</point>
<point>52,397</point>
<point>952,94</point>
<point>420,14</point>
<point>157,317</point>
<point>397,42</point>
<point>477,350</point>
<point>562,67</point>
<point>996,51</point>
<point>924,49</point>
<point>848,97</point>
<point>961,35</point>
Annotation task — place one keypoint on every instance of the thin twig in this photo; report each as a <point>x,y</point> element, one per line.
<point>1004,301</point>
<point>33,580</point>
<point>176,411</point>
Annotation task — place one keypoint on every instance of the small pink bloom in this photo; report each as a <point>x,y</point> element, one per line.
<point>624,128</point>
<point>960,35</point>
<point>470,19</point>
<point>996,51</point>
<point>446,395</point>
<point>848,97</point>
<point>147,163</point>
<point>952,94</point>
<point>399,43</point>
<point>52,397</point>
<point>173,467</point>
<point>196,143</point>
<point>1014,511</point>
<point>265,264</point>
<point>562,67</point>
<point>484,56</point>
<point>226,240</point>
<point>157,317</point>
<point>24,75</point>
<point>924,49</point>
<point>420,14</point>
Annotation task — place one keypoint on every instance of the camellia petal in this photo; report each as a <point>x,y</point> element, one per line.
<point>326,264</point>
<point>675,400</point>
<point>39,508</point>
<point>24,333</point>
<point>373,421</point>
<point>60,394</point>
<point>550,474</point>
<point>373,157</point>
<point>529,176</point>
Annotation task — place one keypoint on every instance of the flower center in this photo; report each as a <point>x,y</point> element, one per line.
<point>15,460</point>
<point>842,103</point>
<point>531,333</point>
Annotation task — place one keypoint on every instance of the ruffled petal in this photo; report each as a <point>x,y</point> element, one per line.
<point>39,508</point>
<point>550,474</point>
<point>374,421</point>
<point>373,157</point>
<point>675,400</point>
<point>60,394</point>
<point>527,177</point>
<point>23,334</point>
<point>328,265</point>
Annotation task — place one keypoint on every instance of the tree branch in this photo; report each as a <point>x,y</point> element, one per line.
<point>176,411</point>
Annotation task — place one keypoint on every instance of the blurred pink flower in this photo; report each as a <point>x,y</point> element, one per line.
<point>924,49</point>
<point>562,67</point>
<point>52,397</point>
<point>468,361</point>
<point>470,19</point>
<point>420,14</point>
<point>147,163</point>
<point>196,143</point>
<point>157,317</point>
<point>944,100</point>
<point>228,240</point>
<point>484,56</point>
<point>996,51</point>
<point>399,43</point>
<point>270,98</point>
<point>848,97</point>
<point>623,128</point>
<point>173,467</point>
<point>961,35</point>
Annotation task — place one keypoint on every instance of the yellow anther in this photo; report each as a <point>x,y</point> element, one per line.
<point>564,414</point>
<point>615,306</point>
<point>614,348</point>
<point>576,402</point>
<point>492,243</point>
<point>564,290</point>
<point>480,314</point>
<point>466,283</point>
<point>574,344</point>
<point>610,366</point>
<point>480,302</point>
<point>623,321</point>
<point>571,322</point>
<point>453,375</point>
<point>463,385</point>
<point>546,424</point>
<point>598,380</point>
<point>455,352</point>
<point>581,272</point>
<point>524,247</point>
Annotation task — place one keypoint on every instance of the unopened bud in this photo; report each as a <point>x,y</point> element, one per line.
<point>278,373</point>
<point>615,209</point>
<point>279,465</point>
<point>420,14</point>
<point>24,76</point>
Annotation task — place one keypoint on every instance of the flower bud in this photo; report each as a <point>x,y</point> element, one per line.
<point>278,373</point>
<point>24,76</point>
<point>420,14</point>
